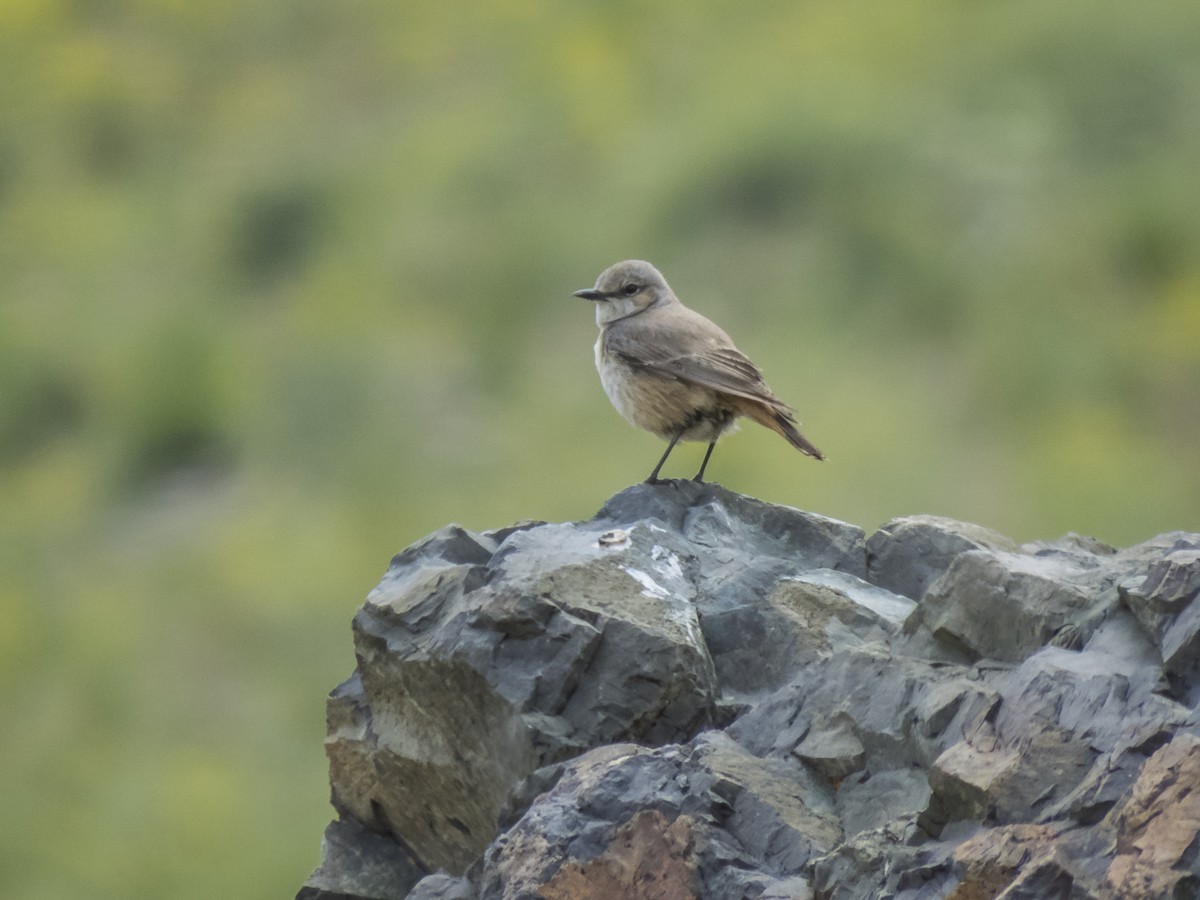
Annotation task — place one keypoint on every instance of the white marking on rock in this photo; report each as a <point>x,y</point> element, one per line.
<point>669,560</point>
<point>650,587</point>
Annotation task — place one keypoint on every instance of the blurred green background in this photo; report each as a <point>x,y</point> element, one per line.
<point>284,286</point>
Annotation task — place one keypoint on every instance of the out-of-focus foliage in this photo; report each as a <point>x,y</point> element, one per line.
<point>284,286</point>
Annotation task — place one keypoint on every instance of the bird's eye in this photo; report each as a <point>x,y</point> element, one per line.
<point>630,289</point>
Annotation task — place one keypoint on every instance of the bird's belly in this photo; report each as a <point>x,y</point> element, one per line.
<point>662,405</point>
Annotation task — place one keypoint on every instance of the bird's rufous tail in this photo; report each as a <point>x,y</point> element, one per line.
<point>781,422</point>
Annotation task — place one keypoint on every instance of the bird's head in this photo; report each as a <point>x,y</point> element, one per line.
<point>625,289</point>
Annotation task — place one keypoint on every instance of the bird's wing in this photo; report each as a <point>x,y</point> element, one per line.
<point>711,362</point>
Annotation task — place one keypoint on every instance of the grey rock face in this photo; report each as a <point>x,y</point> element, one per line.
<point>909,554</point>
<point>1163,602</point>
<point>1005,606</point>
<point>697,694</point>
<point>359,863</point>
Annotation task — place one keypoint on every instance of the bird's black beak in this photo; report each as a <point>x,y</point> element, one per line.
<point>590,294</point>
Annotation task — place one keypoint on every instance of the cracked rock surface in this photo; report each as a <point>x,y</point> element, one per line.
<point>696,694</point>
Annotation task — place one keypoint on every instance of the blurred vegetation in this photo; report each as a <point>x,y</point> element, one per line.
<point>284,286</point>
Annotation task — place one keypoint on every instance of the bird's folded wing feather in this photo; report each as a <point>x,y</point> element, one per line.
<point>712,365</point>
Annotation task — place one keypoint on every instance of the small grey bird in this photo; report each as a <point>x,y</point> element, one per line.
<point>672,372</point>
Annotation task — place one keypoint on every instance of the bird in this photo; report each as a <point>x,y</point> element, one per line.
<point>670,371</point>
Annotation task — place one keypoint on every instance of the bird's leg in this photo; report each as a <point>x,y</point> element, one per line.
<point>653,479</point>
<point>704,465</point>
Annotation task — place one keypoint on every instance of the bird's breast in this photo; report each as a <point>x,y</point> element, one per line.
<point>659,404</point>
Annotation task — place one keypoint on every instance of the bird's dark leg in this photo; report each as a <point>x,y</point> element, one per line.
<point>704,465</point>
<point>653,479</point>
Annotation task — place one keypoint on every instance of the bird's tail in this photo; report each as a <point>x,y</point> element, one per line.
<point>781,421</point>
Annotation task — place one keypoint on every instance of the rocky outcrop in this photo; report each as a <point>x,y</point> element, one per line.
<point>700,695</point>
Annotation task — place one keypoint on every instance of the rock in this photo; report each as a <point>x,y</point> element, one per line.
<point>1058,714</point>
<point>635,598</point>
<point>967,782</point>
<point>1156,826</point>
<point>1147,846</point>
<point>732,526</point>
<point>1168,587</point>
<point>1164,601</point>
<point>443,886</point>
<point>700,695</point>
<point>902,711</point>
<point>833,751</point>
<point>648,857</point>
<point>778,810</point>
<point>909,554</point>
<point>471,675</point>
<point>1181,655</point>
<point>1005,606</point>
<point>695,820</point>
<point>1013,861</point>
<point>360,864</point>
<point>757,646</point>
<point>868,802</point>
<point>885,862</point>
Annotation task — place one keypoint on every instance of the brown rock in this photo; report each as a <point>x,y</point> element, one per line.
<point>996,859</point>
<point>650,858</point>
<point>1157,828</point>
